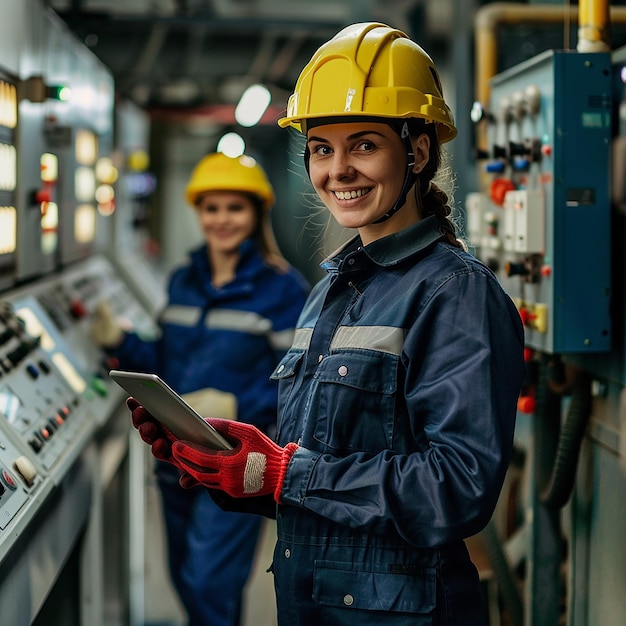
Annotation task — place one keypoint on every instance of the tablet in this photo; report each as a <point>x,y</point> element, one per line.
<point>167,407</point>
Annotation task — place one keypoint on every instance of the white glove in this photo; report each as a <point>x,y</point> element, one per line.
<point>105,331</point>
<point>210,402</point>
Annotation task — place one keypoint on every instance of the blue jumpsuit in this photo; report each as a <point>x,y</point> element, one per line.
<point>231,339</point>
<point>401,388</point>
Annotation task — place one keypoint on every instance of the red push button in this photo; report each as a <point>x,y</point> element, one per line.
<point>7,479</point>
<point>526,404</point>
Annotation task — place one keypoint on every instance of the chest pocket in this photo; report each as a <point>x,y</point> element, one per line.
<point>285,374</point>
<point>354,400</point>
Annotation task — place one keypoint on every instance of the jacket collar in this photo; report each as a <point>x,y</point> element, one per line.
<point>392,249</point>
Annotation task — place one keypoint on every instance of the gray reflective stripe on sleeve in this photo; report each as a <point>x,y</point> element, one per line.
<point>282,340</point>
<point>244,321</point>
<point>302,338</point>
<point>379,338</point>
<point>228,319</point>
<point>181,315</point>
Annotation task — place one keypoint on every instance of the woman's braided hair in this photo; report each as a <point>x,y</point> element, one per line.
<point>433,200</point>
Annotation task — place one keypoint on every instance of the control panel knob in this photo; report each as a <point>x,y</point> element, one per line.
<point>26,469</point>
<point>478,113</point>
<point>532,96</point>
<point>499,188</point>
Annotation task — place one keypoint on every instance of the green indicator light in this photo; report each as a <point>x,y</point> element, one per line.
<point>59,92</point>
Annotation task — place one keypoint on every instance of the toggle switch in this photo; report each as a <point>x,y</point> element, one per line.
<point>26,469</point>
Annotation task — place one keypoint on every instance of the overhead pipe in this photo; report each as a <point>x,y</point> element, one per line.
<point>595,15</point>
<point>593,26</point>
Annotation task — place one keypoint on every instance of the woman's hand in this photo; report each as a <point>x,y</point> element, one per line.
<point>105,330</point>
<point>159,438</point>
<point>255,467</point>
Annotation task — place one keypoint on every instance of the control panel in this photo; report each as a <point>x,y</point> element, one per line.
<point>55,392</point>
<point>32,424</point>
<point>543,222</point>
<point>60,311</point>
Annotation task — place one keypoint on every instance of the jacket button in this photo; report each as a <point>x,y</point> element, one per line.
<point>287,553</point>
<point>280,369</point>
<point>348,599</point>
<point>319,358</point>
<point>342,371</point>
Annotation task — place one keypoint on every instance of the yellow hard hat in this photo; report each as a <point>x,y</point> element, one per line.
<point>218,172</point>
<point>370,69</point>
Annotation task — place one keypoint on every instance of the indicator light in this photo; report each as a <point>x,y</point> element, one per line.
<point>59,92</point>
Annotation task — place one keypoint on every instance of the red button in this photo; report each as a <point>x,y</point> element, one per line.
<point>42,196</point>
<point>78,309</point>
<point>498,189</point>
<point>526,404</point>
<point>7,479</point>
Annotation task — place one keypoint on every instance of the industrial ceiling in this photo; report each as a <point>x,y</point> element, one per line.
<point>198,54</point>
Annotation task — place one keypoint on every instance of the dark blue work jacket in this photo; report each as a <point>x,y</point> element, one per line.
<point>401,388</point>
<point>229,338</point>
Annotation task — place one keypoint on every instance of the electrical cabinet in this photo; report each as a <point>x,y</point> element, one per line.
<point>544,226</point>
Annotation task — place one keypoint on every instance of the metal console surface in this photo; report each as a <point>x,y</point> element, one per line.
<point>57,430</point>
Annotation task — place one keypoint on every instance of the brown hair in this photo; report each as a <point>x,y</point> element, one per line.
<point>432,199</point>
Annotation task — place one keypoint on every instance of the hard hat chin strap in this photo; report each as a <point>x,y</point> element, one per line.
<point>409,178</point>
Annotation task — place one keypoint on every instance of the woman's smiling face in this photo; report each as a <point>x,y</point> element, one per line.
<point>227,219</point>
<point>357,170</point>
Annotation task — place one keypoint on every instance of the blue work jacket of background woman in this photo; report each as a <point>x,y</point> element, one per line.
<point>401,387</point>
<point>229,338</point>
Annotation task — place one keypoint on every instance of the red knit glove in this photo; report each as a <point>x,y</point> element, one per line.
<point>255,467</point>
<point>159,438</point>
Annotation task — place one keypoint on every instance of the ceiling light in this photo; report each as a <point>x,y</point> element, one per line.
<point>252,105</point>
<point>231,144</point>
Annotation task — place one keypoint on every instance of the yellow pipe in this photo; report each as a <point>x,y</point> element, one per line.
<point>593,31</point>
<point>491,16</point>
